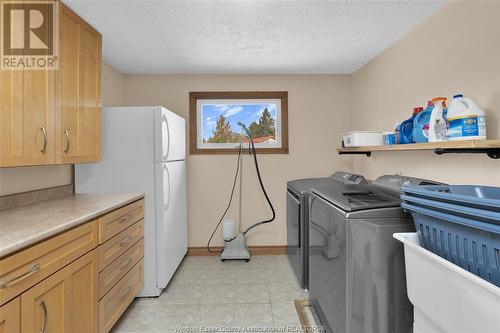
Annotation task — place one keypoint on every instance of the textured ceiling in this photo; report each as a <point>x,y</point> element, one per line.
<point>256,36</point>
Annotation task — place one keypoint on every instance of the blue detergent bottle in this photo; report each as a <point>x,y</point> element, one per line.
<point>406,128</point>
<point>421,124</point>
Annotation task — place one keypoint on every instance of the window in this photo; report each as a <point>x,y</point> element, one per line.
<point>215,119</point>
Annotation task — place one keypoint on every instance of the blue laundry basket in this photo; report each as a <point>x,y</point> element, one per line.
<point>480,197</point>
<point>458,209</point>
<point>466,233</point>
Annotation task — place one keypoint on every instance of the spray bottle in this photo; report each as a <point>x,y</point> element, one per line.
<point>437,124</point>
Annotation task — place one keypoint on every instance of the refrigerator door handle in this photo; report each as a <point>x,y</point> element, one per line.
<point>168,137</point>
<point>167,205</point>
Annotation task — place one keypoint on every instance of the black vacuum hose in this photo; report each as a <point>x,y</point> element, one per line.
<point>263,190</point>
<point>254,153</point>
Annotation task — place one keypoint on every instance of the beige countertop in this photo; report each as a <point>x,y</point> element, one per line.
<point>26,225</point>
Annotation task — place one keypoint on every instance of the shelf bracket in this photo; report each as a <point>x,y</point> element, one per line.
<point>367,153</point>
<point>493,153</point>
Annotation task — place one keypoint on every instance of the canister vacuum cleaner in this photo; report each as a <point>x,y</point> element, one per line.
<point>235,247</point>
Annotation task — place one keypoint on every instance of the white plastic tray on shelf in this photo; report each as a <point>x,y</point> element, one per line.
<point>363,138</point>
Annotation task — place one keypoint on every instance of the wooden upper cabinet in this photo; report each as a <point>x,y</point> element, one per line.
<point>27,103</point>
<point>54,116</point>
<point>78,91</point>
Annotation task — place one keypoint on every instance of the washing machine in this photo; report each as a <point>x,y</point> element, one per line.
<point>297,216</point>
<point>357,280</point>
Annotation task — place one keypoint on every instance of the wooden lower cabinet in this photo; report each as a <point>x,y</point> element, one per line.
<point>26,268</point>
<point>116,246</point>
<point>69,283</point>
<point>10,317</point>
<point>121,263</point>
<point>117,270</point>
<point>67,301</point>
<point>115,222</point>
<point>116,301</point>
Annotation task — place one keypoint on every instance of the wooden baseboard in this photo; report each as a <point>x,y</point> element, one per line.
<point>268,250</point>
<point>300,306</point>
<point>254,250</point>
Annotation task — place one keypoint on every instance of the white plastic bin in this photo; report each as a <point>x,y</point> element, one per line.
<point>447,298</point>
<point>363,138</point>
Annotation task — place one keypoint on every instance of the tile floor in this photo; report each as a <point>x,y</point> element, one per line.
<point>206,294</point>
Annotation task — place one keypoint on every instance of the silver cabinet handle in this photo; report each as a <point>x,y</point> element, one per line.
<point>125,294</point>
<point>45,315</point>
<point>33,269</point>
<point>66,134</point>
<point>44,133</point>
<point>125,264</point>
<point>125,241</point>
<point>126,218</point>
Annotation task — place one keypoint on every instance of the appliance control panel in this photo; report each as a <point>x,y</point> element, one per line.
<point>348,178</point>
<point>395,182</point>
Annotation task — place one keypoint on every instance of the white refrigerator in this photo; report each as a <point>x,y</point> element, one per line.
<point>144,150</point>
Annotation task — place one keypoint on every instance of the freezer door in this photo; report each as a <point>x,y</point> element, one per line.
<point>170,136</point>
<point>171,218</point>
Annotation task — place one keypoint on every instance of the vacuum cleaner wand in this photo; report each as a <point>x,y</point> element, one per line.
<point>247,132</point>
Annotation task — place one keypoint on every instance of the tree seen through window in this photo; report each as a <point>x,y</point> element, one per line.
<point>220,123</point>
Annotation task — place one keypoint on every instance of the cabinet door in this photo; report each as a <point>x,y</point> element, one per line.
<point>26,117</point>
<point>68,87</point>
<point>90,93</point>
<point>79,91</point>
<point>65,301</point>
<point>10,317</point>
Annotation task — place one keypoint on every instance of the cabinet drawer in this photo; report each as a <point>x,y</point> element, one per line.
<point>116,301</point>
<point>24,269</point>
<point>118,268</point>
<point>113,223</point>
<point>116,246</point>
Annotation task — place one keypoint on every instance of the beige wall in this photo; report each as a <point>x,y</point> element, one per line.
<point>16,180</point>
<point>318,113</point>
<point>113,86</point>
<point>456,50</point>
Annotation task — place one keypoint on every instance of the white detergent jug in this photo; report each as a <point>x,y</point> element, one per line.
<point>437,124</point>
<point>467,121</point>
